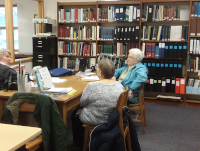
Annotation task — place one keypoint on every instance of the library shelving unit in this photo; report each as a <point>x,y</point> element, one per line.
<point>149,96</point>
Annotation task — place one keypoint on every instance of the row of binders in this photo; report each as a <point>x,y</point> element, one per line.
<point>76,48</point>
<point>161,13</point>
<point>193,86</point>
<point>165,50</point>
<point>193,64</point>
<point>169,68</point>
<point>195,10</point>
<point>66,63</point>
<point>165,33</point>
<point>126,33</point>
<point>82,33</point>
<point>194,46</point>
<point>76,15</point>
<point>165,84</point>
<point>118,49</point>
<point>194,27</point>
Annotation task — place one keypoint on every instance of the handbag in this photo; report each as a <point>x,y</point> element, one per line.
<point>10,83</point>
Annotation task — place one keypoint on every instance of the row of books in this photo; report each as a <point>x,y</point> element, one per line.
<point>194,27</point>
<point>165,33</point>
<point>76,15</point>
<point>164,67</point>
<point>193,86</point>
<point>193,64</point>
<point>82,33</point>
<point>194,46</point>
<point>195,10</point>
<point>66,63</point>
<point>165,84</point>
<point>161,13</point>
<point>76,48</point>
<point>165,50</point>
<point>119,14</point>
<point>126,33</point>
<point>118,49</point>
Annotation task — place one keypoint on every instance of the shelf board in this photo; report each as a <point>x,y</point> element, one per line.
<point>163,1</point>
<point>192,72</point>
<point>192,101</point>
<point>76,3</point>
<point>102,22</point>
<point>76,40</point>
<point>160,41</point>
<point>194,54</point>
<point>106,40</point>
<point>78,56</point>
<point>118,2</point>
<point>164,58</point>
<point>194,36</point>
<point>193,94</point>
<point>78,23</point>
<point>165,92</point>
<point>166,21</point>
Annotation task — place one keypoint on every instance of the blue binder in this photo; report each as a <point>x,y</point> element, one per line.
<point>58,72</point>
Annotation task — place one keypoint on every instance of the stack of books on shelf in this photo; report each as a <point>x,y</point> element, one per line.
<point>118,49</point>
<point>165,84</point>
<point>165,50</point>
<point>195,10</point>
<point>82,33</point>
<point>66,63</point>
<point>161,13</point>
<point>76,49</point>
<point>164,68</point>
<point>119,14</point>
<point>194,46</point>
<point>126,33</point>
<point>165,33</point>
<point>193,86</point>
<point>193,64</point>
<point>76,15</point>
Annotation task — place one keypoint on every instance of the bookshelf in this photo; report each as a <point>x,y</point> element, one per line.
<point>103,5</point>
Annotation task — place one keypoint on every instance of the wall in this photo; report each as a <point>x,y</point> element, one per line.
<point>26,11</point>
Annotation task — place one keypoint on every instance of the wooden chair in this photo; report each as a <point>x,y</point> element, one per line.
<point>122,101</point>
<point>35,144</point>
<point>140,107</point>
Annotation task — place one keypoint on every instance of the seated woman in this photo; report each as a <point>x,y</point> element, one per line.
<point>133,75</point>
<point>97,101</point>
<point>6,71</point>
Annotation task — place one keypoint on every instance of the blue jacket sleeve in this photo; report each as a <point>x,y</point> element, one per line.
<point>141,77</point>
<point>118,72</point>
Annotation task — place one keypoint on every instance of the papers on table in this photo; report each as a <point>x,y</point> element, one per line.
<point>59,90</point>
<point>57,80</point>
<point>89,73</point>
<point>90,78</point>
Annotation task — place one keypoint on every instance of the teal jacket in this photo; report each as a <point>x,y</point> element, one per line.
<point>54,131</point>
<point>134,79</point>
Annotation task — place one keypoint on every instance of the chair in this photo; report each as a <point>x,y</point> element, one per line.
<point>140,107</point>
<point>35,144</point>
<point>122,101</point>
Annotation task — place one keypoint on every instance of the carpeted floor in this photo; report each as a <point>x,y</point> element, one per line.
<point>169,128</point>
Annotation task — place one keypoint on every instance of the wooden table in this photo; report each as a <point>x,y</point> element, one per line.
<point>13,137</point>
<point>65,102</point>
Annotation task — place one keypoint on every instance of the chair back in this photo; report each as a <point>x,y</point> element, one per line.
<point>141,95</point>
<point>122,101</point>
<point>27,107</point>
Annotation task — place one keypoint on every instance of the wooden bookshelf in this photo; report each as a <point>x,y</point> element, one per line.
<point>173,21</point>
<point>193,95</point>
<point>65,23</point>
<point>160,41</point>
<point>76,40</point>
<point>105,22</point>
<point>77,56</point>
<point>164,58</point>
<point>194,36</point>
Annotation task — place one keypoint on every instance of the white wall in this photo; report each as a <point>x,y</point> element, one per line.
<point>26,11</point>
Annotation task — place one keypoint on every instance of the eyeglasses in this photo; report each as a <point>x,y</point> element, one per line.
<point>8,56</point>
<point>131,58</point>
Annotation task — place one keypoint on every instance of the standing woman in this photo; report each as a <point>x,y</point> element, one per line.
<point>133,75</point>
<point>5,70</point>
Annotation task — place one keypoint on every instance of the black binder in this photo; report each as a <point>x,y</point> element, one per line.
<point>166,73</point>
<point>150,13</point>
<point>173,84</point>
<point>151,81</point>
<point>166,54</point>
<point>137,31</point>
<point>175,52</point>
<point>118,33</point>
<point>155,86</point>
<point>171,48</point>
<point>159,85</point>
<point>163,89</point>
<point>132,36</point>
<point>184,51</point>
<point>180,47</point>
<point>129,33</point>
<point>147,85</point>
<point>171,66</point>
<point>162,68</point>
<point>153,65</point>
<point>168,84</point>
<point>122,34</point>
<point>157,72</point>
<point>149,67</point>
<point>125,33</point>
<point>179,70</point>
<point>115,33</point>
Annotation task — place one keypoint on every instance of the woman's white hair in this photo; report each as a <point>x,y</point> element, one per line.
<point>137,53</point>
<point>3,52</point>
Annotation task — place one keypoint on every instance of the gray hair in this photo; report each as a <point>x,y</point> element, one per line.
<point>137,53</point>
<point>3,52</point>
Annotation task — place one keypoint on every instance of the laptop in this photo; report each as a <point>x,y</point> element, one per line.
<point>82,66</point>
